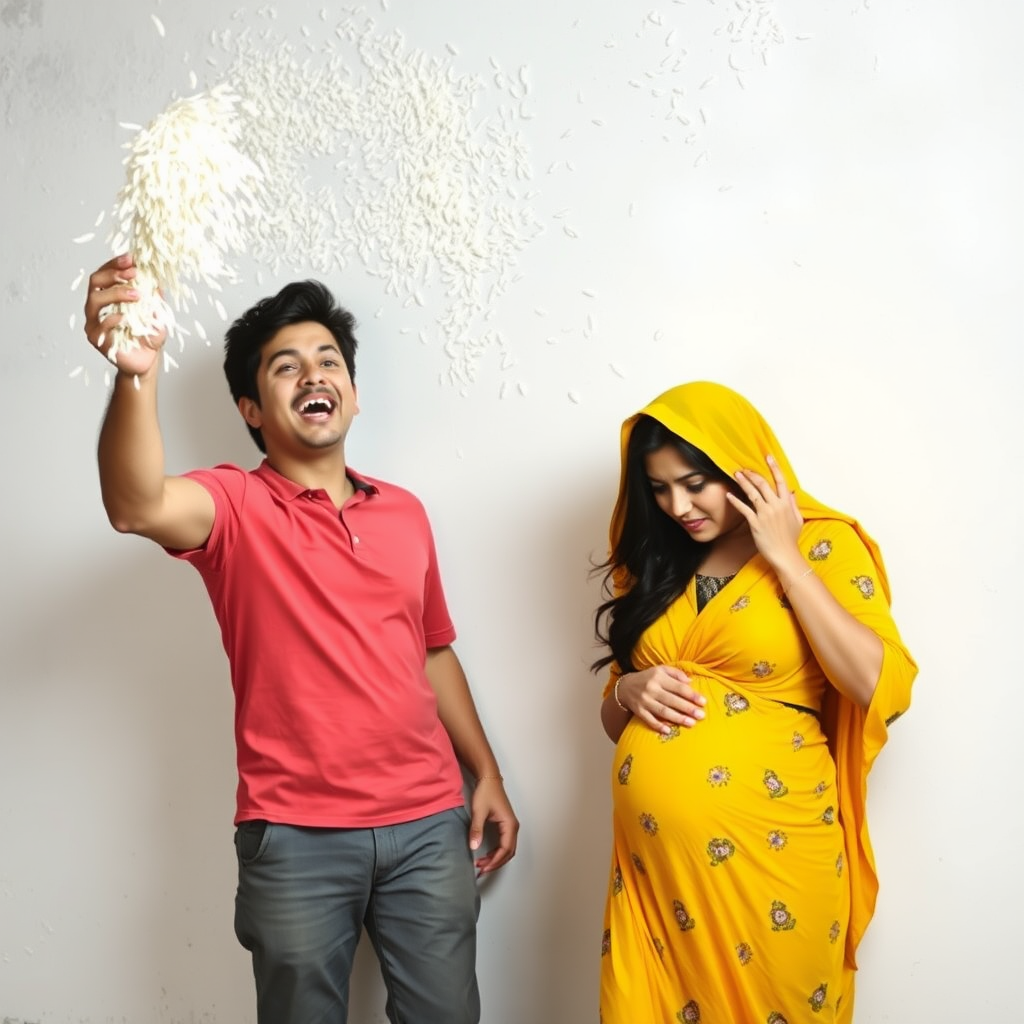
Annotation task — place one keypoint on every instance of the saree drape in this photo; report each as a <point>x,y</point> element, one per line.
<point>742,877</point>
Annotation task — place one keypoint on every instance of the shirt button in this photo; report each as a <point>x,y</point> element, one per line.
<point>355,540</point>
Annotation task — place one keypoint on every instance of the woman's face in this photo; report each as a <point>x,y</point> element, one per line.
<point>689,496</point>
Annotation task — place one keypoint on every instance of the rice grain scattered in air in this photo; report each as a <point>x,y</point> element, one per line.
<point>82,239</point>
<point>523,389</point>
<point>574,397</point>
<point>183,211</point>
<point>159,25</point>
<point>420,188</point>
<point>71,321</point>
<point>78,280</point>
<point>75,372</point>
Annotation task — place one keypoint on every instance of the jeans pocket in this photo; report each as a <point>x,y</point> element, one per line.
<point>251,838</point>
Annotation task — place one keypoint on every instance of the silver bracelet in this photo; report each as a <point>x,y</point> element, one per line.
<point>807,572</point>
<point>615,694</point>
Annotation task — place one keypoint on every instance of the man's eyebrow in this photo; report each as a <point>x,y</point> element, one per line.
<point>294,352</point>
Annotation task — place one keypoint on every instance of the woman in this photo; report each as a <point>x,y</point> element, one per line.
<point>755,669</point>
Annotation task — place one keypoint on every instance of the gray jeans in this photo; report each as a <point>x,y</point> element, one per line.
<point>304,895</point>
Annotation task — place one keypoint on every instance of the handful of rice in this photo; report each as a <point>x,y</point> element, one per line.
<point>184,208</point>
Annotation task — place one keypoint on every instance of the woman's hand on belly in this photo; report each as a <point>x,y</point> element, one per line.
<point>661,697</point>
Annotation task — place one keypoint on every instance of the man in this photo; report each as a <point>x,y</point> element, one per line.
<point>352,711</point>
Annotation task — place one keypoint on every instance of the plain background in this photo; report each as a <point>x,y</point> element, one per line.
<point>841,242</point>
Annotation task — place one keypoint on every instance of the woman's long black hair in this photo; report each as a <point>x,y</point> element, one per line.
<point>654,555</point>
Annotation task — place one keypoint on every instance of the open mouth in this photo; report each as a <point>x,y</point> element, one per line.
<point>316,407</point>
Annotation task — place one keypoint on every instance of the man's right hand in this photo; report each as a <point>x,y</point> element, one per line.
<point>111,284</point>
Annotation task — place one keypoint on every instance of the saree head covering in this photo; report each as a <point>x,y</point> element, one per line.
<point>742,875</point>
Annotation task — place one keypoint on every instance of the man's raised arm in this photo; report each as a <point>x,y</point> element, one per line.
<point>137,494</point>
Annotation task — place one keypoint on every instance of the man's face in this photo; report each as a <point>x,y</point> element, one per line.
<point>307,399</point>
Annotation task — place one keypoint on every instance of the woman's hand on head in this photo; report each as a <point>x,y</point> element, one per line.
<point>772,515</point>
<point>662,698</point>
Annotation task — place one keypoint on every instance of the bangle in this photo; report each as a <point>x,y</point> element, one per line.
<point>807,572</point>
<point>496,778</point>
<point>615,693</point>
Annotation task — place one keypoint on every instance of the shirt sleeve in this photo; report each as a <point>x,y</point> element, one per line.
<point>438,629</point>
<point>227,486</point>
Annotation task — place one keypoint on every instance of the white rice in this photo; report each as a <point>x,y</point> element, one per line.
<point>183,211</point>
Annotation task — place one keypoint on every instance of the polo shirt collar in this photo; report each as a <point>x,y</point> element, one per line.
<point>289,490</point>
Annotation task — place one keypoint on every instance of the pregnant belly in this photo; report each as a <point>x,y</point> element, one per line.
<point>753,759</point>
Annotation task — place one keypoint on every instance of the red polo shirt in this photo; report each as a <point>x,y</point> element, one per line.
<point>326,617</point>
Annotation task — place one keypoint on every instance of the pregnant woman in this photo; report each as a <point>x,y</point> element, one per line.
<point>755,670</point>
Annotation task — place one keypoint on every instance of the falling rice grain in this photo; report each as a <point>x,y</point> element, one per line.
<point>569,231</point>
<point>75,372</point>
<point>522,388</point>
<point>618,372</point>
<point>159,25</point>
<point>221,311</point>
<point>574,397</point>
<point>78,280</point>
<point>71,321</point>
<point>99,219</point>
<point>658,335</point>
<point>452,49</point>
<point>81,239</point>
<point>589,293</point>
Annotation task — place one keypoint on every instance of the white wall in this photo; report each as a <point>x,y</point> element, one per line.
<point>847,253</point>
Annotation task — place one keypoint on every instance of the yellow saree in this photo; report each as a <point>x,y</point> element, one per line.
<point>742,877</point>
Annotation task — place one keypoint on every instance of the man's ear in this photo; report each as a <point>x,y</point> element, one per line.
<point>251,412</point>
